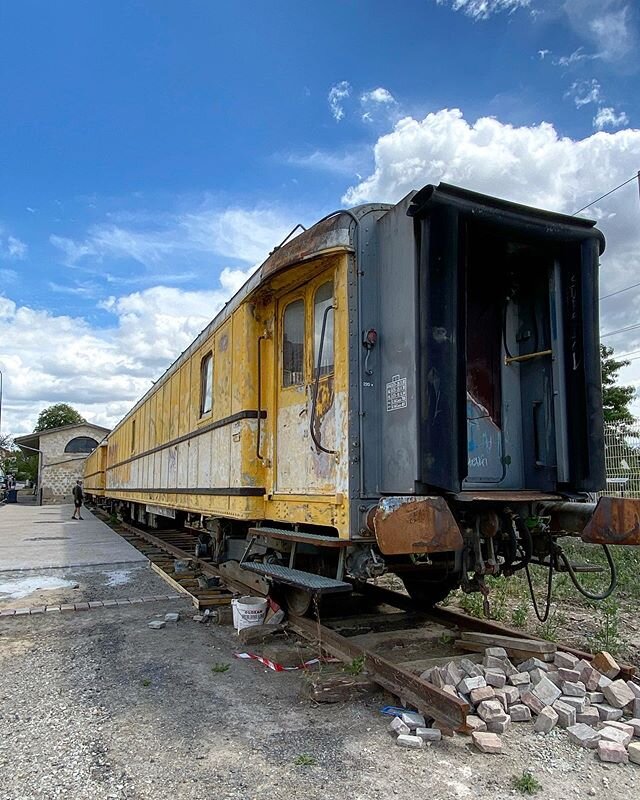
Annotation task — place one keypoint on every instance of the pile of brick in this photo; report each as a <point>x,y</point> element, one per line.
<point>598,709</point>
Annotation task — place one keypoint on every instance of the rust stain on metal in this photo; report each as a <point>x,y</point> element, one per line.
<point>324,404</point>
<point>415,525</point>
<point>616,520</point>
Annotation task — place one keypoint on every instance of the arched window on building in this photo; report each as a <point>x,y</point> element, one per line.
<point>81,444</point>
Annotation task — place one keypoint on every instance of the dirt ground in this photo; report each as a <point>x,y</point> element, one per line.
<point>97,705</point>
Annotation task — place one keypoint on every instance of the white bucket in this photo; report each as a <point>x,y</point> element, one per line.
<point>248,611</point>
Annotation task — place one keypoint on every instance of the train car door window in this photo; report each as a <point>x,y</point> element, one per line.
<point>293,344</point>
<point>323,300</point>
<point>206,384</point>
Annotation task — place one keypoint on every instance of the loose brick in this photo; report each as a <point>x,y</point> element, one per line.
<point>398,726</point>
<point>452,674</point>
<point>37,609</point>
<point>95,604</point>
<point>602,682</point>
<point>635,724</point>
<point>405,740</point>
<point>133,600</point>
<point>572,675</point>
<point>520,713</point>
<point>81,606</point>
<point>157,624</point>
<point>627,727</point>
<point>123,601</point>
<point>537,675</point>
<point>53,609</point>
<point>475,723</point>
<point>566,714</point>
<point>470,669</point>
<point>584,735</point>
<point>589,716</point>
<point>612,752</point>
<point>490,709</point>
<point>579,703</point>
<point>531,701</point>
<point>618,694</point>
<point>595,697</point>
<point>21,612</point>
<point>109,603</point>
<point>634,752</point>
<point>8,612</point>
<point>574,689</point>
<point>495,678</point>
<point>499,725</point>
<point>607,712</point>
<point>546,692</point>
<point>429,734</point>
<point>520,679</point>
<point>487,742</point>
<point>590,677</point>
<point>410,718</point>
<point>496,652</point>
<point>67,607</point>
<point>483,693</point>
<point>533,663</point>
<point>546,721</point>
<point>615,735</point>
<point>606,664</point>
<point>476,682</point>
<point>565,660</point>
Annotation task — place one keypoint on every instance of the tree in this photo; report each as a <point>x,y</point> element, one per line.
<point>615,399</point>
<point>57,415</point>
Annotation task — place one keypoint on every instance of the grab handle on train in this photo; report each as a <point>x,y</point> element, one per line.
<point>316,385</point>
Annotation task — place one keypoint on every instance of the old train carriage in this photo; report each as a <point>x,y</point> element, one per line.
<point>412,387</point>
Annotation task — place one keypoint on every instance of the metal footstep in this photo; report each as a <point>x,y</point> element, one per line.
<point>307,581</point>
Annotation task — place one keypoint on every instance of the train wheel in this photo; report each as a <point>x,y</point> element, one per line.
<point>298,601</point>
<point>426,594</point>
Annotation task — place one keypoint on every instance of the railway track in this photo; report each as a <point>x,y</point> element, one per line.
<point>381,631</point>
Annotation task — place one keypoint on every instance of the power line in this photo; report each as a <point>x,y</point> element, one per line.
<point>619,291</point>
<point>584,208</point>
<point>620,330</point>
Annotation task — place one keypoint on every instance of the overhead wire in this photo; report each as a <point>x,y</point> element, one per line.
<point>606,194</point>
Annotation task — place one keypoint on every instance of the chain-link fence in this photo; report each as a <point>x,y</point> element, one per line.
<point>622,459</point>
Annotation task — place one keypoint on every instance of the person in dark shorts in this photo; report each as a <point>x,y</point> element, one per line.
<point>78,497</point>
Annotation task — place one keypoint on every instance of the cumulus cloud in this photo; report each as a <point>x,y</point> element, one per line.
<point>483,9</point>
<point>607,117</point>
<point>532,165</point>
<point>48,358</point>
<point>338,93</point>
<point>379,95</point>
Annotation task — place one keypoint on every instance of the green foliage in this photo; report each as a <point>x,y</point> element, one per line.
<point>615,399</point>
<point>356,666</point>
<point>146,682</point>
<point>607,636</point>
<point>304,760</point>
<point>519,616</point>
<point>57,415</point>
<point>525,783</point>
<point>220,667</point>
<point>549,630</point>
<point>22,467</point>
<point>472,604</point>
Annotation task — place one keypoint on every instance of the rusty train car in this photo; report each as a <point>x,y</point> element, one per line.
<point>411,388</point>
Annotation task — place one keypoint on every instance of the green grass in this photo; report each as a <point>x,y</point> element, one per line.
<point>607,636</point>
<point>356,666</point>
<point>525,783</point>
<point>220,667</point>
<point>304,760</point>
<point>146,682</point>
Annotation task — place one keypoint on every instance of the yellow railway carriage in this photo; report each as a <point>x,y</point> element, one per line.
<point>411,387</point>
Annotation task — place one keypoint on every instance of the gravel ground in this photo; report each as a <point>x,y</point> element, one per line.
<point>97,705</point>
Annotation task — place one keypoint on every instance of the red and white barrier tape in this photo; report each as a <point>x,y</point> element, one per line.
<point>279,667</point>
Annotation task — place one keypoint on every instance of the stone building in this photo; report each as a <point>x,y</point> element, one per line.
<point>63,452</point>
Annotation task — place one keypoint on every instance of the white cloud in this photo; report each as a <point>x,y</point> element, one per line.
<point>584,92</point>
<point>483,9</point>
<point>350,163</point>
<point>379,95</point>
<point>543,53</point>
<point>573,58</point>
<point>12,247</point>
<point>607,25</point>
<point>608,118</point>
<point>532,165</point>
<point>48,358</point>
<point>190,237</point>
<point>337,94</point>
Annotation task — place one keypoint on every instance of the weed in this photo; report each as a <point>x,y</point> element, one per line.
<point>220,667</point>
<point>304,760</point>
<point>519,615</point>
<point>472,604</point>
<point>549,630</point>
<point>525,783</point>
<point>113,519</point>
<point>146,682</point>
<point>356,666</point>
<point>606,636</point>
<point>446,639</point>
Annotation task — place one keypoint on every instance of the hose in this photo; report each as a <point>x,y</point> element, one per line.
<point>547,607</point>
<point>591,595</point>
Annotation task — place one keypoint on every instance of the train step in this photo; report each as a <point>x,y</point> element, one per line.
<point>300,536</point>
<point>307,581</point>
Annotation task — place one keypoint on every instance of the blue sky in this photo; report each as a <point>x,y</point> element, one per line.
<point>152,152</point>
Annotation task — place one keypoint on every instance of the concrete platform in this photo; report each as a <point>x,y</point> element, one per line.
<point>37,537</point>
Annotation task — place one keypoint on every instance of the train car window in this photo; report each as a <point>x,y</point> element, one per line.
<point>206,384</point>
<point>293,344</point>
<point>323,300</point>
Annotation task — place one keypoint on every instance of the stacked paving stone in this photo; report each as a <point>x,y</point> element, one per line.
<point>598,709</point>
<point>412,730</point>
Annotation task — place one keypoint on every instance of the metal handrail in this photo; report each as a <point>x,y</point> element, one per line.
<point>317,384</point>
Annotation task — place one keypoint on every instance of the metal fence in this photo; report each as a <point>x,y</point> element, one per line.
<point>622,459</point>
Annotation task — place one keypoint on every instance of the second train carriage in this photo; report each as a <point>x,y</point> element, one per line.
<point>410,387</point>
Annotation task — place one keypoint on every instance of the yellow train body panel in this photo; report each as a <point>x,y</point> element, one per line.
<point>248,453</point>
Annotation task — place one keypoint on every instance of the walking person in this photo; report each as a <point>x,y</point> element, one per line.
<point>78,497</point>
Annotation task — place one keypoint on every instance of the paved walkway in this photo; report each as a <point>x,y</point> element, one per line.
<point>39,537</point>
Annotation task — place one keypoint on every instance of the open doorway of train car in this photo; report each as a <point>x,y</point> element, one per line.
<point>513,360</point>
<point>306,439</point>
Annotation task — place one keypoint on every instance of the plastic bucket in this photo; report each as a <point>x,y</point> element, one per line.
<point>248,611</point>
